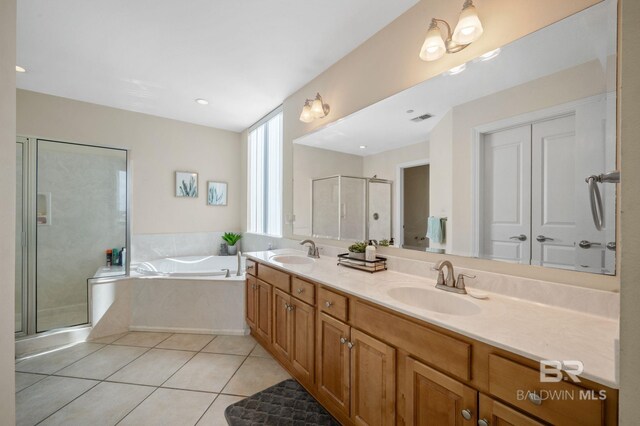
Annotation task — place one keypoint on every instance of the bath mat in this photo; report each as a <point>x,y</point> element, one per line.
<point>286,403</point>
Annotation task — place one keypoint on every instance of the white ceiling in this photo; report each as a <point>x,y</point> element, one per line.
<point>158,56</point>
<point>386,125</point>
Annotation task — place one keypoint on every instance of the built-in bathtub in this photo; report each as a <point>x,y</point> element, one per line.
<point>189,294</point>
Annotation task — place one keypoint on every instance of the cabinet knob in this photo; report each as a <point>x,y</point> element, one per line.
<point>534,398</point>
<point>483,422</point>
<point>343,340</point>
<point>300,291</point>
<point>466,414</point>
<point>253,286</point>
<point>250,267</point>
<point>350,345</point>
<point>328,304</point>
<point>289,308</point>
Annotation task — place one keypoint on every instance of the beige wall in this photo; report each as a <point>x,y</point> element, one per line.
<point>388,63</point>
<point>629,116</point>
<point>7,207</point>
<point>159,147</point>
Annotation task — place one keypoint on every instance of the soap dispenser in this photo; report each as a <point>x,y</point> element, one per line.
<point>370,252</point>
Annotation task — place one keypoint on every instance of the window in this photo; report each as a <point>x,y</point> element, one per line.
<point>265,176</point>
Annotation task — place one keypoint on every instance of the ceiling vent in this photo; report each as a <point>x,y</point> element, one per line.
<point>421,118</point>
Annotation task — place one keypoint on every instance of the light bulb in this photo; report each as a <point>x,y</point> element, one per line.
<point>469,27</point>
<point>317,108</point>
<point>306,116</point>
<point>433,47</point>
<point>457,70</point>
<point>489,55</point>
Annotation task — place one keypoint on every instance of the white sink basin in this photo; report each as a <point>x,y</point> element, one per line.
<point>435,300</point>
<point>292,259</point>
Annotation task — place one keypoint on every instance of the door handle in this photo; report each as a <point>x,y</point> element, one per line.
<point>587,244</point>
<point>542,239</point>
<point>520,237</point>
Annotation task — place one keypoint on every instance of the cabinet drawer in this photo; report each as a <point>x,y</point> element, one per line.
<point>274,277</point>
<point>449,354</point>
<point>252,267</point>
<point>561,402</point>
<point>333,304</point>
<point>303,290</point>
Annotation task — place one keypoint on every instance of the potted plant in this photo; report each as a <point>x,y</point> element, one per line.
<point>357,250</point>
<point>231,238</point>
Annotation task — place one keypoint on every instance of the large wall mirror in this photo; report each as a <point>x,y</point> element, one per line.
<point>487,160</point>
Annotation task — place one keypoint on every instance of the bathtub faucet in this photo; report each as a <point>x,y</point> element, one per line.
<point>239,268</point>
<point>313,250</point>
<point>227,274</point>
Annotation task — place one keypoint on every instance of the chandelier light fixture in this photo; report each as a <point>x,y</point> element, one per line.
<point>468,30</point>
<point>313,109</point>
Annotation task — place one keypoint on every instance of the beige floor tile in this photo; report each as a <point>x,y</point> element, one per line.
<point>106,404</point>
<point>24,380</point>
<point>103,363</point>
<point>186,342</point>
<point>206,372</point>
<point>142,338</point>
<point>170,407</point>
<point>254,375</point>
<point>51,362</point>
<point>261,352</point>
<point>108,339</point>
<point>152,368</point>
<point>215,414</point>
<point>232,345</point>
<point>39,401</point>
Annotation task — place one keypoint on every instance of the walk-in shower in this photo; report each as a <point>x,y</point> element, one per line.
<point>71,207</point>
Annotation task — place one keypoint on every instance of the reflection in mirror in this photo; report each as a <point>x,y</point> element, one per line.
<point>487,162</point>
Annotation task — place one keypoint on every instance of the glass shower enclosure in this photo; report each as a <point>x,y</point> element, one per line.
<point>71,207</point>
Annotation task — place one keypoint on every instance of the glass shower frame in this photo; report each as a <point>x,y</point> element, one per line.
<point>29,217</point>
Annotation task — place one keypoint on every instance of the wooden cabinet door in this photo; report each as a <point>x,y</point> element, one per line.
<point>333,361</point>
<point>494,413</point>
<point>251,293</point>
<point>282,323</point>
<point>373,381</point>
<point>303,334</point>
<point>263,314</point>
<point>433,398</point>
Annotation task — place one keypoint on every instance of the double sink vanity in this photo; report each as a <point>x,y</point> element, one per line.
<point>389,348</point>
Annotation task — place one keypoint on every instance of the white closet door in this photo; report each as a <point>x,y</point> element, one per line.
<point>553,215</point>
<point>506,195</point>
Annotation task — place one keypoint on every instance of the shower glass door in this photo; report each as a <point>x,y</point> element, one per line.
<point>81,212</point>
<point>21,237</point>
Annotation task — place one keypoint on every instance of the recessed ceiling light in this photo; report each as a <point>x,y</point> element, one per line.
<point>457,70</point>
<point>202,101</point>
<point>409,111</point>
<point>20,69</point>
<point>363,146</point>
<point>489,55</point>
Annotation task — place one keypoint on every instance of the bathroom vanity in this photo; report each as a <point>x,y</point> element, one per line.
<point>389,348</point>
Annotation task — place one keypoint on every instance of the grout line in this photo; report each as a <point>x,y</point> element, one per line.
<point>137,405</point>
<point>97,383</point>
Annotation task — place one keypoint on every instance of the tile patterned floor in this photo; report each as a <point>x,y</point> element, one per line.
<point>142,378</point>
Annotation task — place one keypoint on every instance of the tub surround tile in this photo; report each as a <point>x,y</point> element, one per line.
<point>147,247</point>
<point>49,363</point>
<point>186,342</point>
<point>24,380</point>
<point>518,322</point>
<point>142,338</point>
<point>233,345</point>
<point>254,375</point>
<point>107,404</point>
<point>153,368</point>
<point>215,414</point>
<point>103,363</point>
<point>170,407</point>
<point>39,401</point>
<point>205,372</point>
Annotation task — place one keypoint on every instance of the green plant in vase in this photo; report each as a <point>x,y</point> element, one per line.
<point>231,238</point>
<point>357,250</point>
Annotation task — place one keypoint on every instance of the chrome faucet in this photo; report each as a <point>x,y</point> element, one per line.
<point>450,283</point>
<point>239,267</point>
<point>313,250</point>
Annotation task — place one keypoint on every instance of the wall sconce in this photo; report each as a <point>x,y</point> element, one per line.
<point>314,109</point>
<point>468,30</point>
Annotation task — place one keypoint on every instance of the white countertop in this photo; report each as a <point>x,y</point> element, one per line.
<point>533,330</point>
